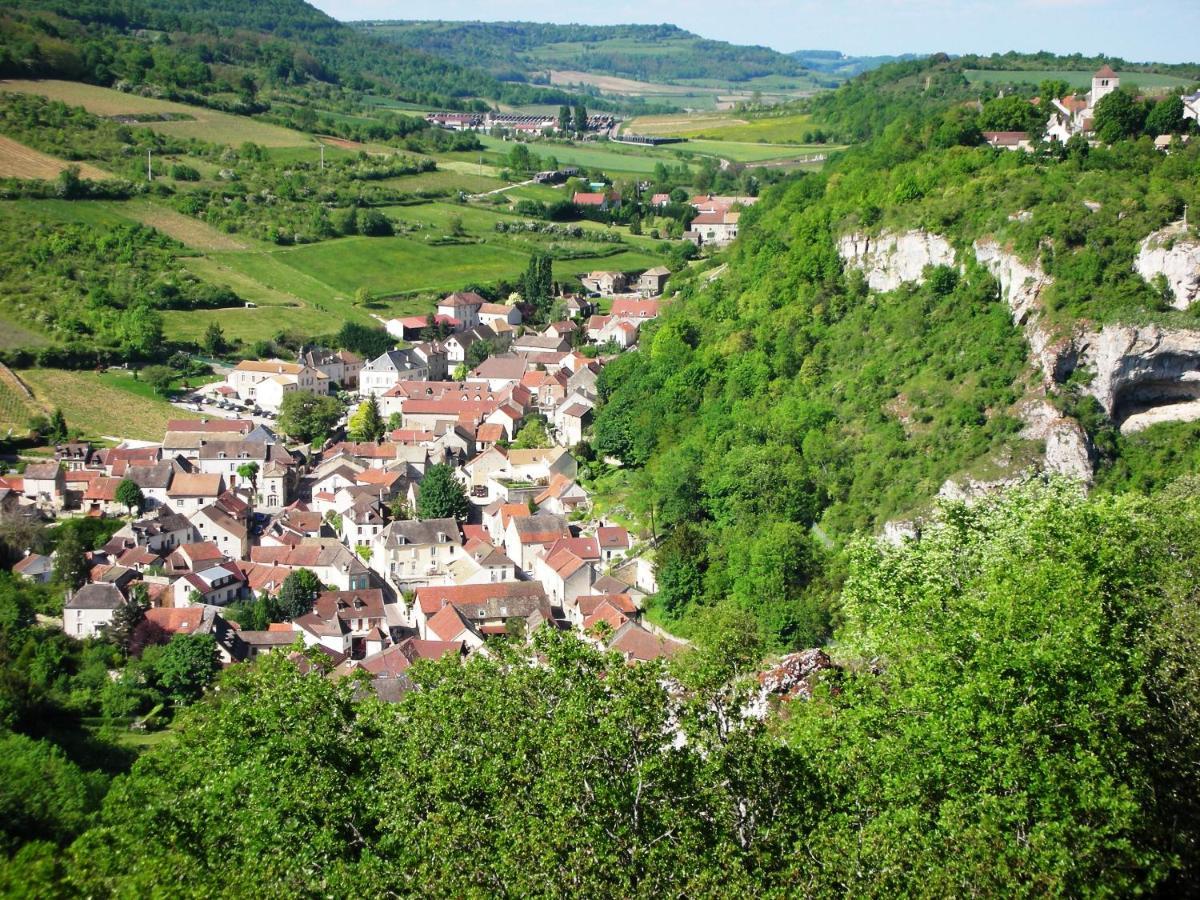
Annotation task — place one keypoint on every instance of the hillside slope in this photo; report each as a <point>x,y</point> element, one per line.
<point>649,53</point>
<point>221,47</point>
<point>926,310</point>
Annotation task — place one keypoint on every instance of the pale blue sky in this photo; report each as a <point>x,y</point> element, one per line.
<point>1159,30</point>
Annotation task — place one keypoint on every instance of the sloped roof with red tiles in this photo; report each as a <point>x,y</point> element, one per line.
<point>364,604</point>
<point>588,604</point>
<point>102,489</point>
<point>431,599</point>
<point>447,623</point>
<point>635,309</point>
<point>181,620</point>
<point>613,537</point>
<point>264,577</point>
<point>607,613</point>
<point>639,644</point>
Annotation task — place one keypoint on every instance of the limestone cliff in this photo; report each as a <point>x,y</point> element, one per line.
<point>889,260</point>
<point>1170,253</point>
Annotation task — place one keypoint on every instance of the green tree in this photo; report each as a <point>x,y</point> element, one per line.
<point>186,666</point>
<point>249,472</point>
<point>367,424</point>
<point>58,431</point>
<point>70,566</point>
<point>213,342</point>
<point>1166,117</point>
<point>532,435</point>
<point>1118,115</point>
<point>128,617</point>
<point>581,118</point>
<point>442,496</point>
<point>159,378</point>
<point>308,417</point>
<point>298,593</point>
<point>564,118</point>
<point>130,495</point>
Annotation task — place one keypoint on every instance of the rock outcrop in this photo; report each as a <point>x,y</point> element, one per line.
<point>889,260</point>
<point>1137,370</point>
<point>1021,287</point>
<point>1170,253</point>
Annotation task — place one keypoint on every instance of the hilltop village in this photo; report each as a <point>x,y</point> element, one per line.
<point>455,519</point>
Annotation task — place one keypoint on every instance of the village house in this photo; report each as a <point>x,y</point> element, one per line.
<point>485,608</point>
<point>636,644</point>
<point>75,455</point>
<point>482,563</point>
<point>605,283</point>
<point>35,567</point>
<point>45,486</point>
<point>1009,140</point>
<point>201,620</point>
<point>90,609</point>
<point>718,228</point>
<point>562,497</point>
<point>602,201</point>
<point>528,537</point>
<point>344,621</point>
<point>568,568</point>
<point>651,282</point>
<point>100,497</point>
<point>491,313</point>
<point>449,625</point>
<point>331,561</point>
<point>459,343</point>
<point>615,542</point>
<point>412,554</point>
<point>341,367</point>
<point>211,584</point>
<point>501,371</point>
<point>154,479</point>
<point>463,307</point>
<point>540,343</point>
<point>569,419</point>
<point>264,383</point>
<point>577,307</point>
<point>425,362</point>
<point>616,609</point>
<point>189,491</point>
<point>216,526</point>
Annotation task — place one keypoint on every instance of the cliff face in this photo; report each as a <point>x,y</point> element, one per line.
<point>1140,375</point>
<point>1171,254</point>
<point>889,260</point>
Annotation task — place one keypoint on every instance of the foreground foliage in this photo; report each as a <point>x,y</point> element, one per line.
<point>1014,715</point>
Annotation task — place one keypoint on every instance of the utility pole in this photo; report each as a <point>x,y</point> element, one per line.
<point>322,157</point>
<point>149,168</point>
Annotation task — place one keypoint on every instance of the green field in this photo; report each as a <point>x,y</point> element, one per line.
<point>1077,79</point>
<point>778,129</point>
<point>612,158</point>
<point>88,401</point>
<point>201,123</point>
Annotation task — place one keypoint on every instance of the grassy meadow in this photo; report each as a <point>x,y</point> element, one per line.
<point>195,122</point>
<point>90,401</point>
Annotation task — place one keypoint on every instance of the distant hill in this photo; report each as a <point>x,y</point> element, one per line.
<point>649,53</point>
<point>834,62</point>
<point>225,47</point>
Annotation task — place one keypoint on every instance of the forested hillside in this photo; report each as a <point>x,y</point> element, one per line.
<point>228,51</point>
<point>784,395</point>
<point>660,53</point>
